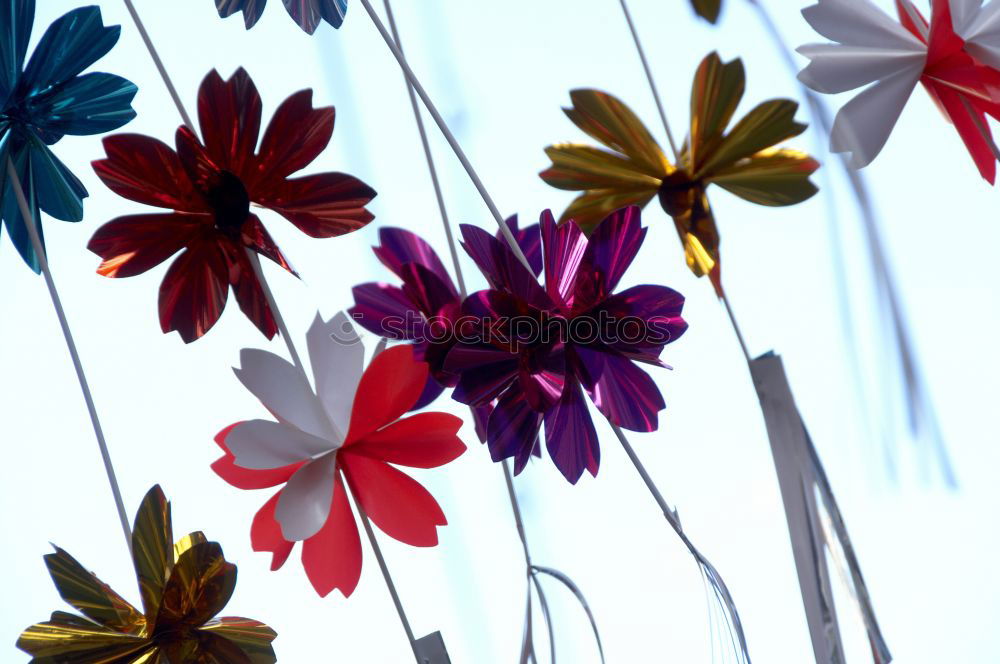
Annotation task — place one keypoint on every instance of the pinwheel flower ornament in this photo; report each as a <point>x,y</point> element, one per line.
<point>955,56</point>
<point>346,431</point>
<point>307,13</point>
<point>427,306</point>
<point>182,585</point>
<point>46,100</point>
<point>540,347</point>
<point>210,187</point>
<point>634,170</point>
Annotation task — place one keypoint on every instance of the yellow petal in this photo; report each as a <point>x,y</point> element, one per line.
<point>252,637</point>
<point>715,94</point>
<point>700,236</point>
<point>186,542</point>
<point>70,639</point>
<point>582,167</point>
<point>765,126</point>
<point>91,596</point>
<point>771,177</point>
<point>152,549</point>
<point>611,122</point>
<point>200,585</point>
<point>590,209</point>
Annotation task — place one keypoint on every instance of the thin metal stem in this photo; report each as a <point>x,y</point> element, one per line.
<point>649,77</point>
<point>279,320</point>
<point>36,243</point>
<point>736,328</point>
<point>159,64</point>
<point>508,479</point>
<point>443,126</point>
<point>669,512</point>
<point>430,159</point>
<point>385,574</point>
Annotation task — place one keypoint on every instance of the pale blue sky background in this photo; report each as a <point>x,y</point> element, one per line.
<point>500,72</point>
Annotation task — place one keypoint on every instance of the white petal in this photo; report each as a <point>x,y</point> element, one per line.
<point>305,501</point>
<point>282,389</point>
<point>835,68</point>
<point>981,30</point>
<point>338,358</point>
<point>859,23</point>
<point>262,444</point>
<point>863,125</point>
<point>963,14</point>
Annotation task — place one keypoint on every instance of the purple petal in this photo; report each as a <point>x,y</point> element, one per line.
<point>624,393</point>
<point>530,241</point>
<point>501,268</point>
<point>542,375</point>
<point>386,310</point>
<point>432,390</point>
<point>484,372</point>
<point>512,430</point>
<point>480,416</point>
<point>564,247</point>
<point>570,435</point>
<point>399,247</point>
<point>426,289</point>
<point>646,318</point>
<point>612,248</point>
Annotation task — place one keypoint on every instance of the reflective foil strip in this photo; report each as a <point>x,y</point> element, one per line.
<point>430,649</point>
<point>803,482</point>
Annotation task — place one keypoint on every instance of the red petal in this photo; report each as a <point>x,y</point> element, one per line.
<point>251,296</point>
<point>201,169</point>
<point>390,386</point>
<point>246,478</point>
<point>229,114</point>
<point>131,245</point>
<point>265,534</point>
<point>296,135</point>
<point>973,138</point>
<point>257,238</point>
<point>145,170</point>
<point>395,502</point>
<point>194,291</point>
<point>427,440</point>
<point>322,205</point>
<point>332,557</point>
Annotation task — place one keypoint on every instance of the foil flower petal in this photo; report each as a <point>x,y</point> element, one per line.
<point>954,56</point>
<point>183,586</point>
<point>347,433</point>
<point>307,13</point>
<point>541,348</point>
<point>209,187</point>
<point>631,168</point>
<point>47,99</point>
<point>426,307</point>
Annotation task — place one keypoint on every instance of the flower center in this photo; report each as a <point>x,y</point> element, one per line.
<point>678,193</point>
<point>230,202</point>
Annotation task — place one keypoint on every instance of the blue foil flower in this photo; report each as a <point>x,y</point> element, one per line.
<point>307,13</point>
<point>47,99</point>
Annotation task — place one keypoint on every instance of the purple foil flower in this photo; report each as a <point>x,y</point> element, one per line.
<point>426,307</point>
<point>539,348</point>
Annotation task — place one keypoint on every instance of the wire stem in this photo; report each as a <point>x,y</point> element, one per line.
<point>649,77</point>
<point>43,261</point>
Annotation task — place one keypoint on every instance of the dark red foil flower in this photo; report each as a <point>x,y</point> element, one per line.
<point>210,186</point>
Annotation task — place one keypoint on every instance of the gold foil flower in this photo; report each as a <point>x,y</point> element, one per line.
<point>743,161</point>
<point>182,586</point>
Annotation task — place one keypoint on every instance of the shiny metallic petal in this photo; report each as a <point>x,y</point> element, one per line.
<point>91,596</point>
<point>152,549</point>
<point>715,94</point>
